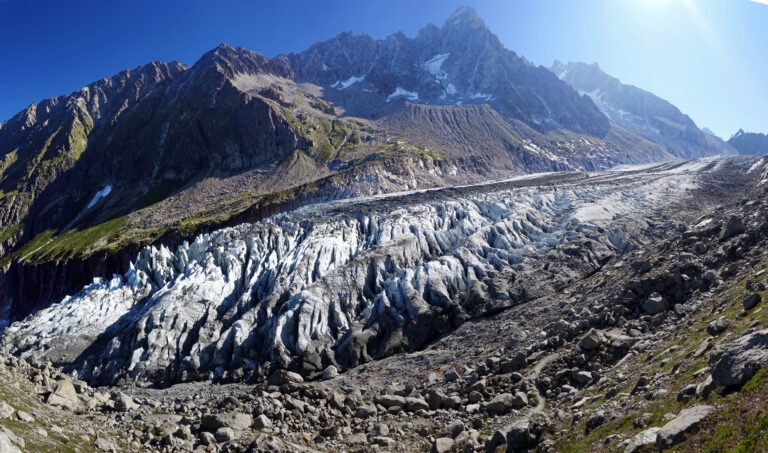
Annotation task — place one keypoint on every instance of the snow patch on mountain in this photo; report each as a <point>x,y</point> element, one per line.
<point>402,92</point>
<point>103,193</point>
<point>344,84</point>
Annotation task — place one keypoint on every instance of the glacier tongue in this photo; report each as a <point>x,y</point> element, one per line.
<point>340,283</point>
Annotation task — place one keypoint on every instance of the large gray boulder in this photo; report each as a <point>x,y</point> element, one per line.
<point>686,421</point>
<point>734,227</point>
<point>63,395</point>
<point>592,340</point>
<point>6,446</point>
<point>235,420</point>
<point>736,363</point>
<point>642,439</point>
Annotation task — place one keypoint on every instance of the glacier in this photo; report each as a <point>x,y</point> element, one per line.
<point>345,282</point>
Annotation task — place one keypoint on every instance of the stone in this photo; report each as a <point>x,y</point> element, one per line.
<point>686,421</point>
<point>736,363</point>
<point>6,446</point>
<point>413,404</point>
<point>591,340</point>
<point>582,377</point>
<point>443,445</point>
<point>123,402</point>
<point>451,375</point>
<point>281,377</point>
<point>356,439</point>
<point>262,422</point>
<point>435,399</point>
<point>751,301</point>
<point>717,327</point>
<point>235,420</point>
<point>225,434</point>
<point>390,401</point>
<point>6,410</point>
<point>63,395</point>
<point>505,401</point>
<point>105,444</point>
<point>207,438</point>
<point>330,372</point>
<point>454,429</point>
<point>642,440</point>
<point>596,419</point>
<point>365,411</point>
<point>734,227</point>
<point>655,304</point>
<point>25,416</point>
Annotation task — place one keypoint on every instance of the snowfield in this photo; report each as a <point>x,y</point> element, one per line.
<point>346,282</point>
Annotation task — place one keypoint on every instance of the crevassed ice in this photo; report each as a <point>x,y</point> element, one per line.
<point>315,285</point>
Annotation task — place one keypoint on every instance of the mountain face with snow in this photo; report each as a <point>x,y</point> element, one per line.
<point>162,152</point>
<point>749,142</point>
<point>641,112</point>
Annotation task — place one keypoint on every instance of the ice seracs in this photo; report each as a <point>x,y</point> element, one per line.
<point>335,284</point>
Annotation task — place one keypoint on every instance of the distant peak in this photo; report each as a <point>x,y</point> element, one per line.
<point>738,133</point>
<point>464,16</point>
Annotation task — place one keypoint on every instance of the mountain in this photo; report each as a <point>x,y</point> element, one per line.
<point>165,151</point>
<point>642,112</point>
<point>749,142</point>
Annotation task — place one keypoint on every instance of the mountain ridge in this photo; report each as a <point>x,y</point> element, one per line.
<point>641,112</point>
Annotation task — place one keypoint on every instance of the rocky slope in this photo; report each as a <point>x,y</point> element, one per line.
<point>749,143</point>
<point>162,152</point>
<point>642,112</point>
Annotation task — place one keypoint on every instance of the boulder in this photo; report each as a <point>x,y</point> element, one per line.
<point>235,420</point>
<point>6,411</point>
<point>330,372</point>
<point>224,434</point>
<point>686,421</point>
<point>435,399</point>
<point>123,402</point>
<point>63,395</point>
<point>6,446</point>
<point>591,340</point>
<point>388,401</point>
<point>717,327</point>
<point>365,411</point>
<point>734,227</point>
<point>736,363</point>
<point>751,301</point>
<point>262,422</point>
<point>413,404</point>
<point>281,377</point>
<point>642,440</point>
<point>504,402</point>
<point>596,419</point>
<point>655,304</point>
<point>443,445</point>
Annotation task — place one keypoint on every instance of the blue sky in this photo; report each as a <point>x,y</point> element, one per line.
<point>708,57</point>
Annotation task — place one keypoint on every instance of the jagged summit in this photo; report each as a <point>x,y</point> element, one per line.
<point>738,134</point>
<point>464,16</point>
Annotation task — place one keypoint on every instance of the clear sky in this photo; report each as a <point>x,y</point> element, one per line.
<point>708,57</point>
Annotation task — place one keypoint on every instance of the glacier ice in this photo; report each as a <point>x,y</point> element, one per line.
<point>339,283</point>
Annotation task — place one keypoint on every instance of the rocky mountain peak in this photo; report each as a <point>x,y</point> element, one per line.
<point>464,17</point>
<point>738,134</point>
